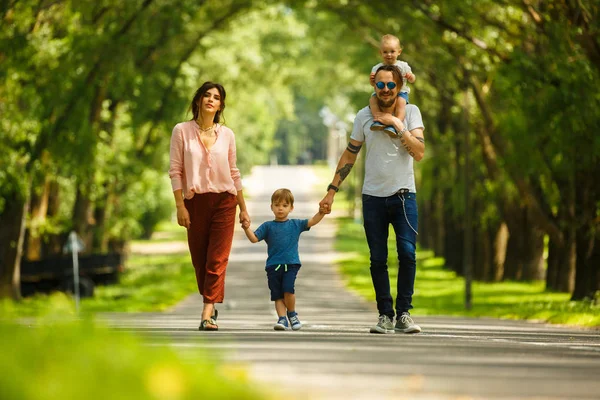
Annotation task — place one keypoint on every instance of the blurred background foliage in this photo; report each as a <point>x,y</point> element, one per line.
<point>61,359</point>
<point>91,90</point>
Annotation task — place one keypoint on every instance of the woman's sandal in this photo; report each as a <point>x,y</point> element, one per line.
<point>208,325</point>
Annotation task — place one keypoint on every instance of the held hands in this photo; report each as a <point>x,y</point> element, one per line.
<point>245,219</point>
<point>325,204</point>
<point>389,119</point>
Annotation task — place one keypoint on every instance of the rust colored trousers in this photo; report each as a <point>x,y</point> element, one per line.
<point>210,236</point>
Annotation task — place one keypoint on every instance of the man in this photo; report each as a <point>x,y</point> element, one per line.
<point>388,196</point>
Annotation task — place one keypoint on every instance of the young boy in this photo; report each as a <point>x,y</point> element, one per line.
<point>390,50</point>
<point>283,262</point>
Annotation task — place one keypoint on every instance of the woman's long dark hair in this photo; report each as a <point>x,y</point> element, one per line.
<point>200,94</point>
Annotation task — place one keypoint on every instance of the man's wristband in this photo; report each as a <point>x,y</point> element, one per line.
<point>402,132</point>
<point>335,188</point>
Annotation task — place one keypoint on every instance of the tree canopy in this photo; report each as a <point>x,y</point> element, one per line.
<point>91,91</point>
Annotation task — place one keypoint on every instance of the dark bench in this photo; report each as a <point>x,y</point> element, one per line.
<point>56,273</point>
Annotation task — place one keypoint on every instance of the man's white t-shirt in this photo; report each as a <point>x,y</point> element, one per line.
<point>388,166</point>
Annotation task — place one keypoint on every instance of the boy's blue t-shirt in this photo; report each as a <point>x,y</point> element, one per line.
<point>282,239</point>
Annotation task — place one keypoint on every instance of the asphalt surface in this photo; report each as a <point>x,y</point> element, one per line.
<point>335,357</point>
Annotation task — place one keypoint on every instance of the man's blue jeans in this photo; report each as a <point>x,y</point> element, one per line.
<point>400,210</point>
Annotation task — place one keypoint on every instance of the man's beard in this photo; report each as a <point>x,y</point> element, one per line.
<point>385,104</point>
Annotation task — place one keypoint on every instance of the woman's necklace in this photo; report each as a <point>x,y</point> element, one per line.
<point>206,131</point>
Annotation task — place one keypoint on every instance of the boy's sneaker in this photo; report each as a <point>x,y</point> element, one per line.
<point>406,324</point>
<point>377,126</point>
<point>295,321</point>
<point>281,324</point>
<point>391,131</point>
<point>384,325</point>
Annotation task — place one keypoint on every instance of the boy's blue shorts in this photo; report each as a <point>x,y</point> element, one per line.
<point>281,279</point>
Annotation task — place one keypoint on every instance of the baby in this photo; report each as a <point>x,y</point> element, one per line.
<point>390,50</point>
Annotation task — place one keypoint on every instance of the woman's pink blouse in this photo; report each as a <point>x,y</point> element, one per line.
<point>194,169</point>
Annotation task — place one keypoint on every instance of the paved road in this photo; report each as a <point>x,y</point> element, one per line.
<point>334,356</point>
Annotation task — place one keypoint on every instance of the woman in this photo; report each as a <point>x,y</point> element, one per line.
<point>207,187</point>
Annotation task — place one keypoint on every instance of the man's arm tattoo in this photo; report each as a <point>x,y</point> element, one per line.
<point>420,139</point>
<point>344,171</point>
<point>353,149</point>
<point>407,147</point>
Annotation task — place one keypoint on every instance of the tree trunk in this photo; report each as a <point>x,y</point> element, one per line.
<point>561,263</point>
<point>427,224</point>
<point>594,263</point>
<point>585,282</point>
<point>500,245</point>
<point>99,242</point>
<point>525,250</point>
<point>54,242</point>
<point>586,236</point>
<point>482,254</point>
<point>454,245</point>
<point>82,218</point>
<point>440,217</point>
<point>38,211</point>
<point>12,233</point>
<point>554,258</point>
<point>566,271</point>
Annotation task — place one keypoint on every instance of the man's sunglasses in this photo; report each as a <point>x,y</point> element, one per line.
<point>390,85</point>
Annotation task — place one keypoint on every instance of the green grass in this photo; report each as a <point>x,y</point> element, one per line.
<point>439,291</point>
<point>150,283</point>
<point>52,355</point>
<point>60,359</point>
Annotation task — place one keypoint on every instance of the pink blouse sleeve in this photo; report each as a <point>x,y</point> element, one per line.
<point>176,169</point>
<point>235,172</point>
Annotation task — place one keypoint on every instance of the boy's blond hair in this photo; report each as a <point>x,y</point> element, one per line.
<point>282,195</point>
<point>390,38</point>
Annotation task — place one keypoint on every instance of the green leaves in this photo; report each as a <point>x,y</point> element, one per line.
<point>92,89</point>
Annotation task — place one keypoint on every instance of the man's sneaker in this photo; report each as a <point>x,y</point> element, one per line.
<point>384,325</point>
<point>377,126</point>
<point>281,324</point>
<point>406,324</point>
<point>295,321</point>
